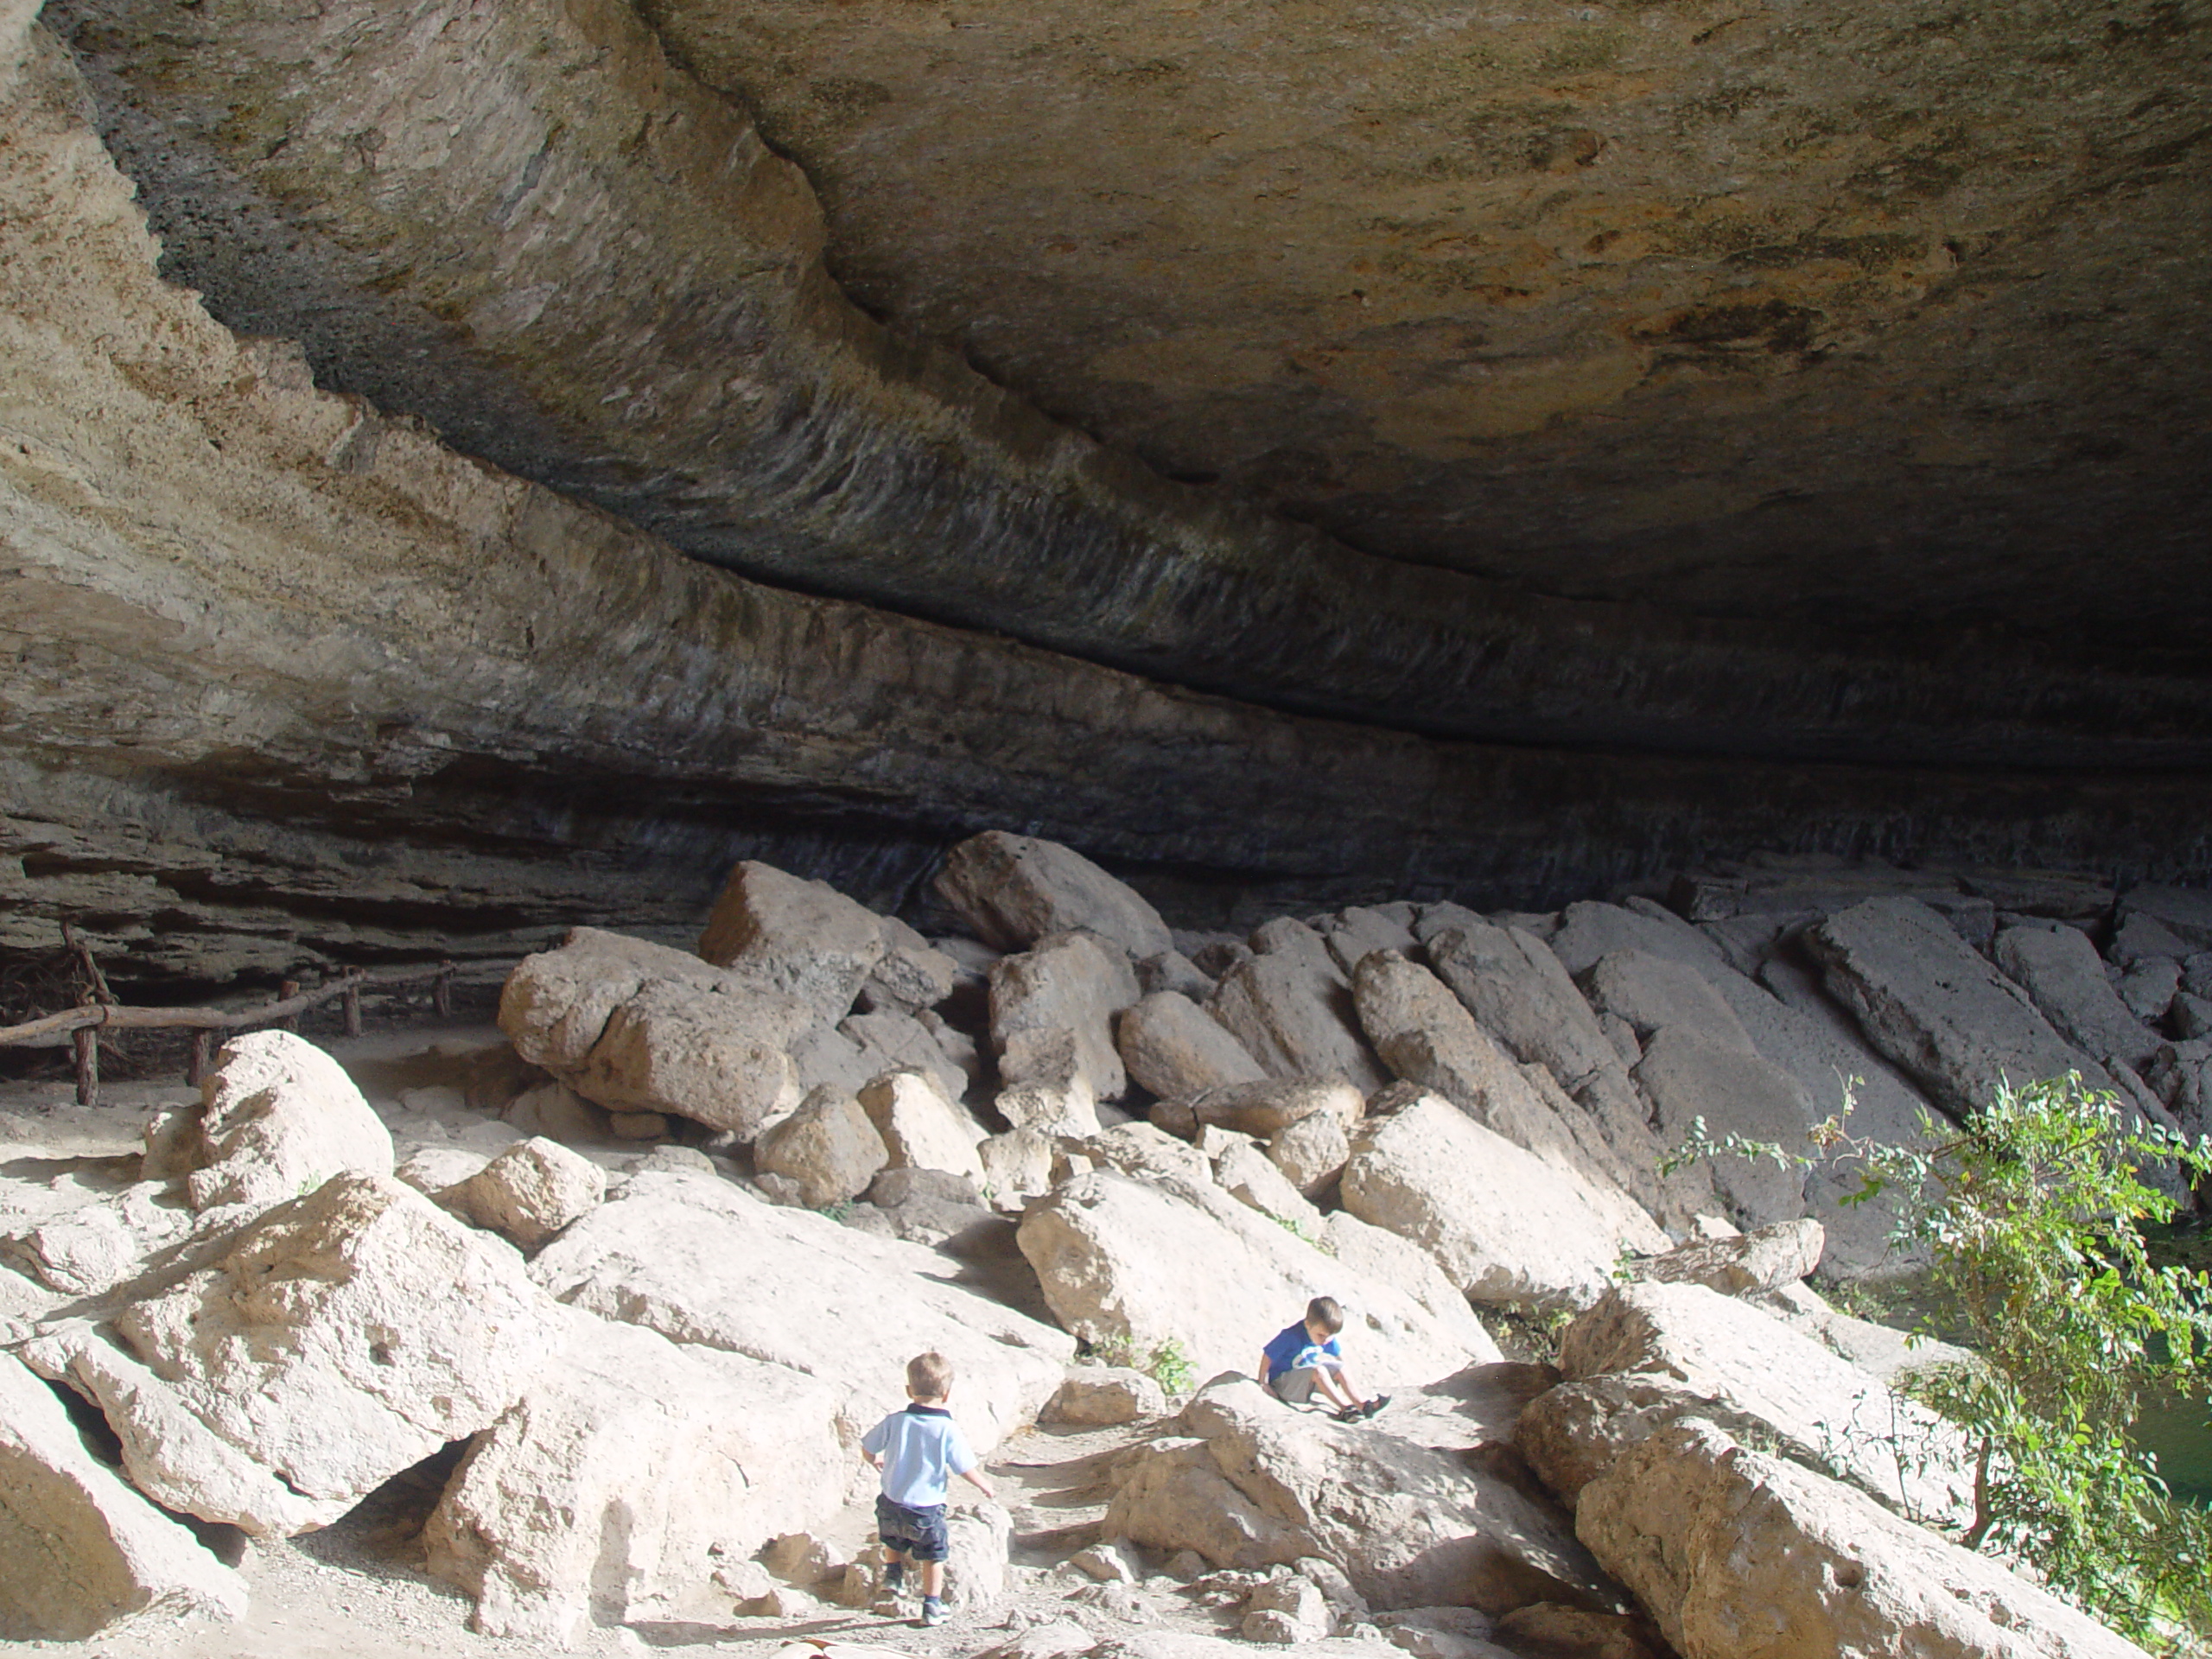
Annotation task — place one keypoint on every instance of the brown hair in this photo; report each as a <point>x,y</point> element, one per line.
<point>929,1376</point>
<point>1323,1312</point>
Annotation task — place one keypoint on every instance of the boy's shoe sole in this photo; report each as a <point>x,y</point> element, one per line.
<point>932,1616</point>
<point>1368,1409</point>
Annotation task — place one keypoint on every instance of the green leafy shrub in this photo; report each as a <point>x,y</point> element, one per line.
<point>1167,1365</point>
<point>2033,1218</point>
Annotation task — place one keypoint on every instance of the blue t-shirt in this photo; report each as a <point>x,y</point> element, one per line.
<point>922,1449</point>
<point>1293,1350</point>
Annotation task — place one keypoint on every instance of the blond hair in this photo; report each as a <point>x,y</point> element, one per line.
<point>929,1376</point>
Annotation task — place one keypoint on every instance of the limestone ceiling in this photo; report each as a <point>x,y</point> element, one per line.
<point>1856,310</point>
<point>1820,382</point>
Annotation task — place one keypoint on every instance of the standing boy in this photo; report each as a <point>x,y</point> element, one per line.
<point>1306,1359</point>
<point>918,1449</point>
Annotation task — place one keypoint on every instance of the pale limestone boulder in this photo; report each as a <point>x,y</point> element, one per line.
<point>336,1341</point>
<point>704,1262</point>
<point>97,1246</point>
<point>830,1147</point>
<point>1762,1260</point>
<point>920,1125</point>
<point>1248,1482</point>
<point>1506,1226</point>
<point>1737,1554</point>
<point>1247,1173</point>
<point>630,1469</point>
<point>1588,931</point>
<point>1687,1075</point>
<point>1173,971</point>
<point>80,1552</point>
<point>1654,994</point>
<point>913,974</point>
<point>2149,987</point>
<point>530,1191</point>
<point>279,1117</point>
<point>557,1112</point>
<point>1425,1035</point>
<point>1931,1003</point>
<point>803,939</point>
<point>1263,1109</point>
<point>1053,1094</point>
<point>1311,1153</point>
<point>1286,1612</point>
<point>1516,989</point>
<point>555,1003</point>
<point>1145,1153</point>
<point>1353,933</point>
<point>1572,1434</point>
<point>431,1170</point>
<point>717,1058</point>
<point>890,1040</point>
<point>1067,983</point>
<point>1182,1261</point>
<point>1098,1395</point>
<point>171,1137</point>
<point>2063,975</point>
<point>1823,1406</point>
<point>979,1556</point>
<point>1175,1048</point>
<point>1014,890</point>
<point>1291,1009</point>
<point>1017,1166</point>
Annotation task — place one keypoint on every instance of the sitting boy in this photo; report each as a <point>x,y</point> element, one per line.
<point>1305,1360</point>
<point>917,1449</point>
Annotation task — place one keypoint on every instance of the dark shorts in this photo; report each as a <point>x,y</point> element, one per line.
<point>917,1533</point>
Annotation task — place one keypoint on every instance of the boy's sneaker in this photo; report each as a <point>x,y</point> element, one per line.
<point>1368,1407</point>
<point>933,1610</point>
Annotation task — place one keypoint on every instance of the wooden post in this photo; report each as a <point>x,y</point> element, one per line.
<point>201,1041</point>
<point>86,1039</point>
<point>353,1010</point>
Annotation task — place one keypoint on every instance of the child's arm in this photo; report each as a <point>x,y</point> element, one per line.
<point>974,1477</point>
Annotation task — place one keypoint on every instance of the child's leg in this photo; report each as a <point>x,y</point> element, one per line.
<point>932,1579</point>
<point>894,1571</point>
<point>1330,1385</point>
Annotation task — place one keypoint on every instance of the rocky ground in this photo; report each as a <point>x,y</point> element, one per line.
<point>561,1332</point>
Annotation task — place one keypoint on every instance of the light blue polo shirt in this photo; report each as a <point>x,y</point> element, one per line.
<point>922,1449</point>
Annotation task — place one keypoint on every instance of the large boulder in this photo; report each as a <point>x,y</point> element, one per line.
<point>278,1117</point>
<point>889,1041</point>
<point>627,1471</point>
<point>1738,1554</point>
<point>921,1127</point>
<point>700,1261</point>
<point>530,1191</point>
<point>1513,984</point>
<point>1068,982</point>
<point>334,1342</point>
<point>80,1552</point>
<point>1934,1006</point>
<point>640,1027</point>
<point>803,938</point>
<point>1291,1009</point>
<point>718,1059</point>
<point>2065,977</point>
<point>1814,1403</point>
<point>1689,1076</point>
<point>1425,1035</point>
<point>1506,1226</point>
<point>829,1149</point>
<point>1144,1263</point>
<point>1014,890</point>
<point>1655,993</point>
<point>1248,1482</point>
<point>1175,1048</point>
